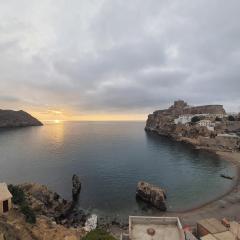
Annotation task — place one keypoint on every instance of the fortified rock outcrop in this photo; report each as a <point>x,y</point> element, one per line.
<point>154,195</point>
<point>10,118</point>
<point>213,130</point>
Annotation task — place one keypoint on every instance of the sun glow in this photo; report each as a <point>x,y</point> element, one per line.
<point>56,121</point>
<point>57,117</point>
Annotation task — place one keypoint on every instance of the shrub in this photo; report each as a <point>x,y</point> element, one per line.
<point>98,234</point>
<point>19,199</point>
<point>195,119</point>
<point>218,119</point>
<point>17,193</point>
<point>231,118</point>
<point>29,213</point>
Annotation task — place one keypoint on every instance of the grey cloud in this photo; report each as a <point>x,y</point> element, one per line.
<point>116,56</point>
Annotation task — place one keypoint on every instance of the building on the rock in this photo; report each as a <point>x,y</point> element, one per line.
<point>183,119</point>
<point>207,123</point>
<point>5,198</point>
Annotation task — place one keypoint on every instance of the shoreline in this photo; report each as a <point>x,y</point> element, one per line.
<point>226,205</point>
<point>235,184</point>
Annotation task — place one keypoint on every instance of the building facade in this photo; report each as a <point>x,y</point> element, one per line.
<point>5,198</point>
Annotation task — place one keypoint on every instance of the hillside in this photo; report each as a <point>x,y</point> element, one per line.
<point>10,118</point>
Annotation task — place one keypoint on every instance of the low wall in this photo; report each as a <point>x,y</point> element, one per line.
<point>155,220</point>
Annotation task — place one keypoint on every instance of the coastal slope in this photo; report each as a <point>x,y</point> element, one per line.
<point>10,118</point>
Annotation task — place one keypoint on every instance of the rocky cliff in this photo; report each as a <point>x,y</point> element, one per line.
<point>9,118</point>
<point>55,217</point>
<point>162,122</point>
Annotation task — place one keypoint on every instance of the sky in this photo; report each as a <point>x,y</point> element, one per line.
<point>115,59</point>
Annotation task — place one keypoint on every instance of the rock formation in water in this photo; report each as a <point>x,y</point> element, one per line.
<point>10,118</point>
<point>76,187</point>
<point>212,130</point>
<point>152,194</point>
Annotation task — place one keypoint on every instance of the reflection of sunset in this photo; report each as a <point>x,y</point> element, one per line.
<point>56,121</point>
<point>55,132</point>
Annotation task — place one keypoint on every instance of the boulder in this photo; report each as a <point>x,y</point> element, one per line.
<point>154,195</point>
<point>91,223</point>
<point>76,187</point>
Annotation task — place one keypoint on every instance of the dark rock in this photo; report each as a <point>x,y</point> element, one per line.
<point>9,118</point>
<point>152,194</point>
<point>76,187</point>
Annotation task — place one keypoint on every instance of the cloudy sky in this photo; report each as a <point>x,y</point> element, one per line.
<point>116,59</point>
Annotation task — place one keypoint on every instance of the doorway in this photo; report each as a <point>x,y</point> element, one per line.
<point>5,206</point>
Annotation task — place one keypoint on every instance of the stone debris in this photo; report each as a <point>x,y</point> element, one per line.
<point>91,223</point>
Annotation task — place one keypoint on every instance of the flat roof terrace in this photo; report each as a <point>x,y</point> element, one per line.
<point>155,228</point>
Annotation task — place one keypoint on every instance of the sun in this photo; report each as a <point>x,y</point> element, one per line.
<point>56,121</point>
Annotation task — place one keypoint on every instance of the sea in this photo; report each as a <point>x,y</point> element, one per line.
<point>110,158</point>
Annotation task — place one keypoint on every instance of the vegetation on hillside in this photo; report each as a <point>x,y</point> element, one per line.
<point>195,119</point>
<point>231,118</point>
<point>218,119</point>
<point>19,199</point>
<point>98,234</point>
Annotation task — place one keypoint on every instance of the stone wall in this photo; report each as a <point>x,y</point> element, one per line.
<point>207,109</point>
<point>181,108</point>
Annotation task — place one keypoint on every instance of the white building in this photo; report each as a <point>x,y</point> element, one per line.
<point>207,123</point>
<point>183,119</point>
<point>5,198</point>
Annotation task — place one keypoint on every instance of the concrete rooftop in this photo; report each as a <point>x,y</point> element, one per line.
<point>155,228</point>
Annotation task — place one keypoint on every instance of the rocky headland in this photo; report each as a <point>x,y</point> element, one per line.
<point>10,118</point>
<point>41,214</point>
<point>207,127</point>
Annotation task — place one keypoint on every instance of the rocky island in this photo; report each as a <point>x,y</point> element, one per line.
<point>207,127</point>
<point>10,118</point>
<point>152,194</point>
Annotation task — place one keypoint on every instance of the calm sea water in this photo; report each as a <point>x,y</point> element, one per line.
<point>110,158</point>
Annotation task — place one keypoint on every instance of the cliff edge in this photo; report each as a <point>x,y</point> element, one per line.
<point>10,118</point>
